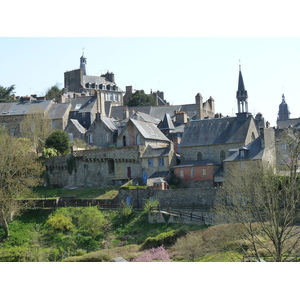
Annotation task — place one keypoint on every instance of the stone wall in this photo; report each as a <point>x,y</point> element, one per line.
<point>177,199</point>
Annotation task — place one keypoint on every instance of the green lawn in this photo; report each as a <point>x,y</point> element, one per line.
<point>92,193</point>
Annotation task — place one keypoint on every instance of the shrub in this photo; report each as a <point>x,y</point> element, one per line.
<point>92,220</point>
<point>126,210</point>
<point>149,204</point>
<point>166,239</point>
<point>155,254</point>
<point>60,222</point>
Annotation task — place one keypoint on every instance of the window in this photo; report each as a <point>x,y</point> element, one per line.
<point>222,155</point>
<point>199,156</point>
<point>71,137</point>
<point>90,138</point>
<point>124,140</point>
<point>203,172</point>
<point>181,173</point>
<point>192,172</point>
<point>161,161</point>
<point>138,139</point>
<point>107,137</point>
<point>150,163</point>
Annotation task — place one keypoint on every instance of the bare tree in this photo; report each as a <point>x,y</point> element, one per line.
<point>265,204</point>
<point>36,126</point>
<point>19,171</point>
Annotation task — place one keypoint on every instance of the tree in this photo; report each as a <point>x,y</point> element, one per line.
<point>54,92</point>
<point>19,171</point>
<point>36,126</point>
<point>263,207</point>
<point>6,93</point>
<point>58,140</point>
<point>139,98</point>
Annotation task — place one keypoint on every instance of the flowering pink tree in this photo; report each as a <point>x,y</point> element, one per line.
<point>154,254</point>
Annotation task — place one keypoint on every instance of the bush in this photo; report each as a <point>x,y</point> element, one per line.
<point>92,220</point>
<point>126,210</point>
<point>60,222</point>
<point>155,254</point>
<point>149,204</point>
<point>166,239</point>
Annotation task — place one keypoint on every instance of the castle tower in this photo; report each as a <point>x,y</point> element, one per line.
<point>83,64</point>
<point>242,95</point>
<point>283,113</point>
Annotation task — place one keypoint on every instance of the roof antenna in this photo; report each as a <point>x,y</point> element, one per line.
<point>240,64</point>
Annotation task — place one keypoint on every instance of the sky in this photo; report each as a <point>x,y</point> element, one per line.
<point>181,67</point>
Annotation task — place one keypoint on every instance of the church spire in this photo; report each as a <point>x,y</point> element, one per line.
<point>283,113</point>
<point>83,63</point>
<point>241,94</point>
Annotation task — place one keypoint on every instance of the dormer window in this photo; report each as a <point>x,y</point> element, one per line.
<point>243,152</point>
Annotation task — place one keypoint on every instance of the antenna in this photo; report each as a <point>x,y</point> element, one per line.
<point>83,51</point>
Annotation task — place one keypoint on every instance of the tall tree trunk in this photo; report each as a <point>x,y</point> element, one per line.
<point>5,226</point>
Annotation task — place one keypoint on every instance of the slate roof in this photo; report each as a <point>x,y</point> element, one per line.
<point>22,108</point>
<point>78,126</point>
<point>58,110</point>
<point>215,131</point>
<point>83,104</point>
<point>109,122</point>
<point>159,174</point>
<point>157,112</point>
<point>149,130</point>
<point>254,151</point>
<point>156,152</point>
<point>166,123</point>
<point>97,80</point>
<point>290,122</point>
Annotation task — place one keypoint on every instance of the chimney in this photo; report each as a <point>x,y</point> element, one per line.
<point>181,117</point>
<point>125,113</point>
<point>100,104</point>
<point>199,107</point>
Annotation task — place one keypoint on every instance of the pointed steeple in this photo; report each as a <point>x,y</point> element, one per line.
<point>283,113</point>
<point>83,63</point>
<point>242,94</point>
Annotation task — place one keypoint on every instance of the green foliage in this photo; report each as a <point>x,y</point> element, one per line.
<point>166,239</point>
<point>6,93</point>
<point>60,222</point>
<point>139,98</point>
<point>59,140</point>
<point>49,152</point>
<point>92,220</point>
<point>54,92</point>
<point>149,204</point>
<point>126,210</point>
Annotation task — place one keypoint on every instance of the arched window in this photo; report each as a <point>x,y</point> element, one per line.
<point>222,155</point>
<point>124,140</point>
<point>199,156</point>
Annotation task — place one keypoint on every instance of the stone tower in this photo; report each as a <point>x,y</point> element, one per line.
<point>83,64</point>
<point>242,95</point>
<point>283,113</point>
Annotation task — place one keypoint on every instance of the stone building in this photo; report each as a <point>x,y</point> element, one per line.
<point>102,133</point>
<point>78,83</point>
<point>206,143</point>
<point>12,114</point>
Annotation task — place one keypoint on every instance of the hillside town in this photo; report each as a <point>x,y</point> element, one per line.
<point>153,145</point>
<point>180,165</point>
